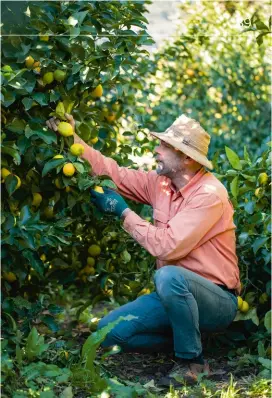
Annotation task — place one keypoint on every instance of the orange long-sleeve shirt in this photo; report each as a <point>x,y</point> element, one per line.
<point>193,227</point>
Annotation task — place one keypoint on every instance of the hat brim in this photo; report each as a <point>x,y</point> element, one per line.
<point>191,152</point>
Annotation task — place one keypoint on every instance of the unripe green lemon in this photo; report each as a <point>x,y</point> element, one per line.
<point>244,307</point>
<point>44,38</point>
<point>29,61</point>
<point>91,261</point>
<point>48,78</point>
<point>59,75</point>
<point>77,149</point>
<point>65,129</point>
<point>94,250</point>
<point>37,199</point>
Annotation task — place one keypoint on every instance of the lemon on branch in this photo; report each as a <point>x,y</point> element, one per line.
<point>19,182</point>
<point>94,140</point>
<point>9,276</point>
<point>37,199</point>
<point>59,75</point>
<point>91,261</point>
<point>4,173</point>
<point>43,257</point>
<point>48,78</point>
<point>244,307</point>
<point>263,179</point>
<point>110,117</point>
<point>240,302</point>
<point>65,129</point>
<point>29,61</point>
<point>58,157</point>
<point>77,149</point>
<point>49,212</point>
<point>68,169</point>
<point>94,250</point>
<point>44,38</point>
<point>97,92</point>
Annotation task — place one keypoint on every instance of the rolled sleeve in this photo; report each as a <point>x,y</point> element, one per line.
<point>182,233</point>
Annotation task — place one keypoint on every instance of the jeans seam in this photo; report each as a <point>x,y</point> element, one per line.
<point>203,286</point>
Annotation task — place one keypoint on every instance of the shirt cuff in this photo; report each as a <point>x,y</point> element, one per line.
<point>130,224</point>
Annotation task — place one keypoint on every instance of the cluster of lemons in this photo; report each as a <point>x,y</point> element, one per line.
<point>262,181</point>
<point>5,173</point>
<point>58,75</point>
<point>93,251</point>
<point>243,306</point>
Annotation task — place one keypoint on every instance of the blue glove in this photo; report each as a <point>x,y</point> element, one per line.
<point>109,201</point>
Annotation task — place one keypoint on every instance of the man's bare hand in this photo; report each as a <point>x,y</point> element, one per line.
<point>53,122</point>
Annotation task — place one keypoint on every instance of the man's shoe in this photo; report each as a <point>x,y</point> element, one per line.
<point>184,373</point>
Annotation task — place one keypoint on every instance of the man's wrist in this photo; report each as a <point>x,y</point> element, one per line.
<point>125,213</point>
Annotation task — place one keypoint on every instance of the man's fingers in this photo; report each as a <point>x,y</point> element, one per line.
<point>53,123</point>
<point>70,119</point>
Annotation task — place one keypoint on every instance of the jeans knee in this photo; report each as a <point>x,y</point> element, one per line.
<point>168,279</point>
<point>113,337</point>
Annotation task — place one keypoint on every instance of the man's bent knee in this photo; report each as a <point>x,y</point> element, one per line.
<point>167,278</point>
<point>114,337</point>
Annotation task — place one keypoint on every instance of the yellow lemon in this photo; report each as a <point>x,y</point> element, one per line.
<point>44,38</point>
<point>111,117</point>
<point>94,250</point>
<point>240,302</point>
<point>143,292</point>
<point>37,70</point>
<point>19,182</point>
<point>68,189</point>
<point>97,92</point>
<point>68,169</point>
<point>91,261</point>
<point>37,199</point>
<point>59,75</point>
<point>77,149</point>
<point>29,61</point>
<point>9,276</point>
<point>36,64</point>
<point>94,140</point>
<point>258,192</point>
<point>5,173</point>
<point>98,189</point>
<point>65,129</point>
<point>48,78</point>
<point>245,307</point>
<point>43,257</point>
<point>190,72</point>
<point>58,157</point>
<point>49,212</point>
<point>263,179</point>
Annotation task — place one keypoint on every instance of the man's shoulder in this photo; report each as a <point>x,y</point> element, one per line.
<point>209,184</point>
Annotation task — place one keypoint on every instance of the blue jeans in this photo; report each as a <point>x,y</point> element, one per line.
<point>183,305</point>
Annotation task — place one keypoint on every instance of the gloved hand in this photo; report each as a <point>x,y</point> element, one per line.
<point>109,201</point>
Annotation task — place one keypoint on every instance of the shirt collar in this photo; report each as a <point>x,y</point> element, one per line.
<point>187,189</point>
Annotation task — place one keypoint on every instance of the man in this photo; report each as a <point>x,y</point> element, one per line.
<point>193,239</point>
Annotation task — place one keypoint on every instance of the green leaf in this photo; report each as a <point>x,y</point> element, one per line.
<point>265,362</point>
<point>233,159</point>
<point>55,309</point>
<point>16,126</point>
<point>52,164</point>
<point>34,344</point>
<point>50,322</point>
<point>27,103</point>
<point>79,167</point>
<point>250,315</point>
<point>41,98</point>
<point>9,98</point>
<point>258,243</point>
<point>34,260</point>
<point>43,133</point>
<point>234,187</point>
<point>267,321</point>
<point>67,393</point>
<point>125,256</point>
<point>12,152</point>
<point>11,183</point>
<point>25,215</point>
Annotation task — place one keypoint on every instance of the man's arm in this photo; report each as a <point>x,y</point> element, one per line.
<point>184,231</point>
<point>137,185</point>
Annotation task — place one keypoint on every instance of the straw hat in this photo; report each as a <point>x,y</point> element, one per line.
<point>189,137</point>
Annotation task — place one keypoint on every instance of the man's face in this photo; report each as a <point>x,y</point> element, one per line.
<point>169,160</point>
